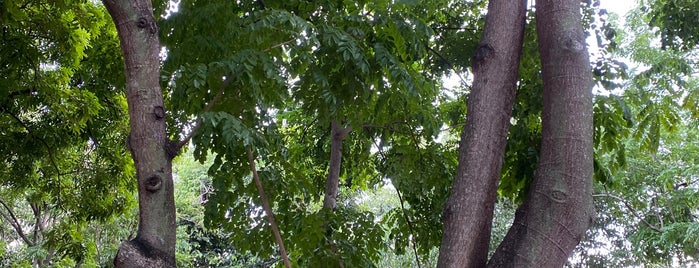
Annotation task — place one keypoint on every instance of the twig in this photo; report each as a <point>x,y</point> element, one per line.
<point>633,211</point>
<point>207,109</point>
<point>268,208</point>
<point>278,45</point>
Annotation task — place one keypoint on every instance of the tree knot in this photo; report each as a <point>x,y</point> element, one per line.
<point>153,183</point>
<point>483,52</point>
<point>559,196</point>
<point>159,112</point>
<point>145,22</point>
<point>572,44</point>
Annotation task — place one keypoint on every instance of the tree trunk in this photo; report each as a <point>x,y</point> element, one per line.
<point>469,210</point>
<point>154,245</point>
<point>332,183</point>
<point>558,208</point>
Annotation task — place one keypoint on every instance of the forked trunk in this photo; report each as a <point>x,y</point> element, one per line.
<point>558,208</point>
<point>469,211</point>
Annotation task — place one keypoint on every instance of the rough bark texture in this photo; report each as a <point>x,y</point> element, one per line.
<point>469,211</point>
<point>558,208</point>
<point>154,245</point>
<point>337,134</point>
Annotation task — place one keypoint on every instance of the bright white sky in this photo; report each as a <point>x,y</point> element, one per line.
<point>620,7</point>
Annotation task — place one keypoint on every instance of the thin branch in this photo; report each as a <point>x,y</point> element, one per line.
<point>453,28</point>
<point>268,209</point>
<point>410,227</point>
<point>279,45</point>
<point>654,201</point>
<point>308,126</point>
<point>207,109</point>
<point>15,223</point>
<point>451,66</point>
<point>630,208</point>
<point>407,219</point>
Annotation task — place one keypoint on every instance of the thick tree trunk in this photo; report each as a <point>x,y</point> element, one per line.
<point>154,245</point>
<point>558,208</point>
<point>469,211</point>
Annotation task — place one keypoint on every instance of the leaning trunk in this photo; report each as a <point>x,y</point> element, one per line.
<point>558,209</point>
<point>469,210</point>
<point>154,245</point>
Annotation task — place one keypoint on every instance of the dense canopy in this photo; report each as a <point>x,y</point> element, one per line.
<point>333,127</point>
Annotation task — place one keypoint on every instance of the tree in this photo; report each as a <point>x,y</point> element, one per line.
<point>643,169</point>
<point>469,211</point>
<point>150,146</point>
<point>65,173</point>
<point>556,212</point>
<point>331,99</point>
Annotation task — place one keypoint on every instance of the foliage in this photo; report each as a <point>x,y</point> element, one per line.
<point>357,62</point>
<point>65,173</point>
<point>272,75</point>
<point>198,246</point>
<point>644,148</point>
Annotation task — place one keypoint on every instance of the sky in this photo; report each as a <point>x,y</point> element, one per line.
<point>620,7</point>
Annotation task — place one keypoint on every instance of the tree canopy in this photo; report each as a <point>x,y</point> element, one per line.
<point>359,89</point>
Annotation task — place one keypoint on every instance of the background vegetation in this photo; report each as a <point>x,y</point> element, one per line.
<point>67,186</point>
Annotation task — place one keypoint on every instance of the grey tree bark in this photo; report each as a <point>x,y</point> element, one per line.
<point>558,208</point>
<point>469,210</point>
<point>154,244</point>
<point>332,183</point>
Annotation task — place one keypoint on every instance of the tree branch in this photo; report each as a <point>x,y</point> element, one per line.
<point>451,66</point>
<point>410,226</point>
<point>268,209</point>
<point>278,45</point>
<point>453,28</point>
<point>630,208</point>
<point>10,217</point>
<point>207,109</point>
<point>407,219</point>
